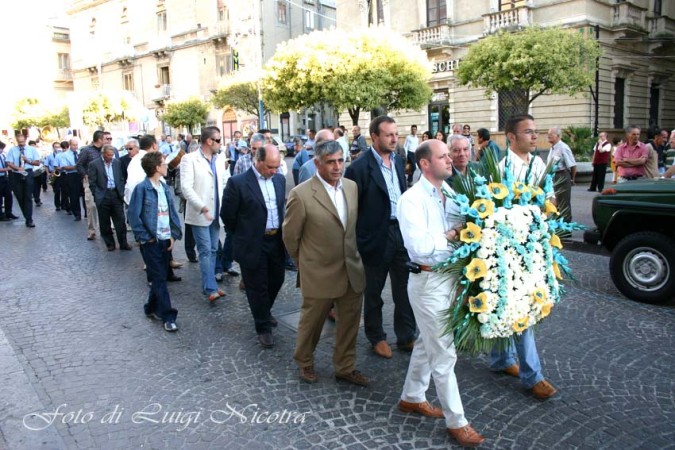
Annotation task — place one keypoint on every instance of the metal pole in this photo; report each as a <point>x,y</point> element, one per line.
<point>261,107</point>
<point>597,85</point>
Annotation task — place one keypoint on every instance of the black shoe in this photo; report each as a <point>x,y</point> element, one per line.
<point>12,216</point>
<point>291,267</point>
<point>78,219</point>
<point>111,248</point>
<point>38,204</point>
<point>174,278</point>
<point>69,213</point>
<point>125,247</point>
<point>266,340</point>
<point>193,259</point>
<point>590,190</point>
<point>58,209</point>
<point>30,224</point>
<point>232,273</point>
<point>4,219</point>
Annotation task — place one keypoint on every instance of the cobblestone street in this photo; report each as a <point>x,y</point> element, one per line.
<point>76,348</point>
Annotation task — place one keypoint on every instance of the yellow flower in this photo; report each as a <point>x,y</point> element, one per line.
<point>476,269</point>
<point>498,190</point>
<point>470,234</point>
<point>478,304</point>
<point>521,324</point>
<point>519,187</point>
<point>550,208</point>
<point>539,295</point>
<point>484,207</point>
<point>546,309</point>
<point>536,191</point>
<point>555,241</point>
<point>556,271</point>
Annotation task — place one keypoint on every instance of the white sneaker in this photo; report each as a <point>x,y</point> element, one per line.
<point>170,326</point>
<point>219,277</point>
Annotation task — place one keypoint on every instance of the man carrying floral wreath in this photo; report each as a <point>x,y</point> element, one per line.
<point>428,223</point>
<point>522,134</point>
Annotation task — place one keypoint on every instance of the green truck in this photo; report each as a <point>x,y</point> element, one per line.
<point>636,222</point>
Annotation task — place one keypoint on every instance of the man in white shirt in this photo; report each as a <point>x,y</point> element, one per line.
<point>410,145</point>
<point>565,172</point>
<point>521,132</point>
<point>428,223</point>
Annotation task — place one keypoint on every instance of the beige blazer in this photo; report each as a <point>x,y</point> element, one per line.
<point>326,253</point>
<point>197,183</point>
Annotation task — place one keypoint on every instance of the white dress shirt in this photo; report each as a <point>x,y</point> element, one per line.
<point>135,174</point>
<point>337,196</point>
<point>270,197</point>
<point>519,167</point>
<point>424,221</point>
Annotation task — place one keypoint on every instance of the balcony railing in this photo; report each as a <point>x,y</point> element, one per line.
<point>661,26</point>
<point>431,36</point>
<point>165,90</point>
<point>64,74</point>
<point>627,14</point>
<point>509,19</point>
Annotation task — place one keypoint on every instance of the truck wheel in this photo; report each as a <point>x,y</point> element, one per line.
<point>642,267</point>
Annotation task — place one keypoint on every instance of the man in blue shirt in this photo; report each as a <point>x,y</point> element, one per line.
<point>72,180</point>
<point>51,164</point>
<point>22,159</point>
<point>5,190</point>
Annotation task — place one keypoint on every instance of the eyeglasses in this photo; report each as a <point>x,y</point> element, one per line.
<point>531,132</point>
<point>129,148</point>
<point>216,140</point>
<point>108,139</point>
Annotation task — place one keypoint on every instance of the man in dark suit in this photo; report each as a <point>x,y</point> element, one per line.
<point>132,150</point>
<point>107,186</point>
<point>253,210</point>
<point>380,176</point>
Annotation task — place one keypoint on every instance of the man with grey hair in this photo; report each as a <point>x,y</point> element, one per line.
<point>245,161</point>
<point>308,169</point>
<point>320,235</point>
<point>565,168</point>
<point>132,150</point>
<point>631,156</point>
<point>460,154</point>
<point>253,211</point>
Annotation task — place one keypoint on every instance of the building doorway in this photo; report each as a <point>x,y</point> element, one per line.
<point>229,124</point>
<point>439,113</point>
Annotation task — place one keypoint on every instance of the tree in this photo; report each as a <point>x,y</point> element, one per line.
<point>537,61</point>
<point>239,91</point>
<point>103,108</point>
<point>186,114</point>
<point>29,112</point>
<point>360,71</point>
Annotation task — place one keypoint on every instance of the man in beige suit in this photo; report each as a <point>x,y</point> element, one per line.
<point>320,234</point>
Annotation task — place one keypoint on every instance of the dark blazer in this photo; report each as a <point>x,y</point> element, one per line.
<point>374,206</point>
<point>98,179</point>
<point>244,214</point>
<point>125,160</point>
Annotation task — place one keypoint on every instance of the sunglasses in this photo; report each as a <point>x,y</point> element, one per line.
<point>216,140</point>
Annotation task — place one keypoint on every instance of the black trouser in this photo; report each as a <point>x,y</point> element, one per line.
<point>58,191</point>
<point>264,281</point>
<point>393,263</point>
<point>156,258</point>
<point>598,180</point>
<point>37,187</point>
<point>74,182</point>
<point>190,243</point>
<point>65,191</point>
<point>411,161</point>
<point>22,186</point>
<point>6,199</point>
<point>112,207</point>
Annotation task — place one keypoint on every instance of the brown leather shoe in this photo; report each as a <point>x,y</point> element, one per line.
<point>408,347</point>
<point>543,390</point>
<point>466,436</point>
<point>354,377</point>
<point>308,375</point>
<point>175,264</point>
<point>382,349</point>
<point>423,408</point>
<point>513,371</point>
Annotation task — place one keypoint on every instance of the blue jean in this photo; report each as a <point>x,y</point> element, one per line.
<point>156,258</point>
<point>526,349</point>
<point>206,239</point>
<point>225,255</point>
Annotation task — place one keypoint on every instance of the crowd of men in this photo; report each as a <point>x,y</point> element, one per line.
<point>358,214</point>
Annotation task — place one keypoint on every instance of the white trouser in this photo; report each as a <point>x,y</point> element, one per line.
<point>433,353</point>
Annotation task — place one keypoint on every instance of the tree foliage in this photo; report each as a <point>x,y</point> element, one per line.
<point>239,91</point>
<point>580,140</point>
<point>541,61</point>
<point>103,108</point>
<point>29,112</point>
<point>186,114</point>
<point>360,71</point>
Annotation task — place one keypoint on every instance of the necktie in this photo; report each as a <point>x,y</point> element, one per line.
<point>21,162</point>
<point>75,156</point>
<point>2,161</point>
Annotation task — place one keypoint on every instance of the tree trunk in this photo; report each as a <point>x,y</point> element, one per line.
<point>354,114</point>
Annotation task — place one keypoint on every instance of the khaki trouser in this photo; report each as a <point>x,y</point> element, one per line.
<point>312,317</point>
<point>92,214</point>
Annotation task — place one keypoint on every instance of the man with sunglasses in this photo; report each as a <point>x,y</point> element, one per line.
<point>203,177</point>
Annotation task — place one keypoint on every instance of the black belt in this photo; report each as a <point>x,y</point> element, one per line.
<point>111,189</point>
<point>632,177</point>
